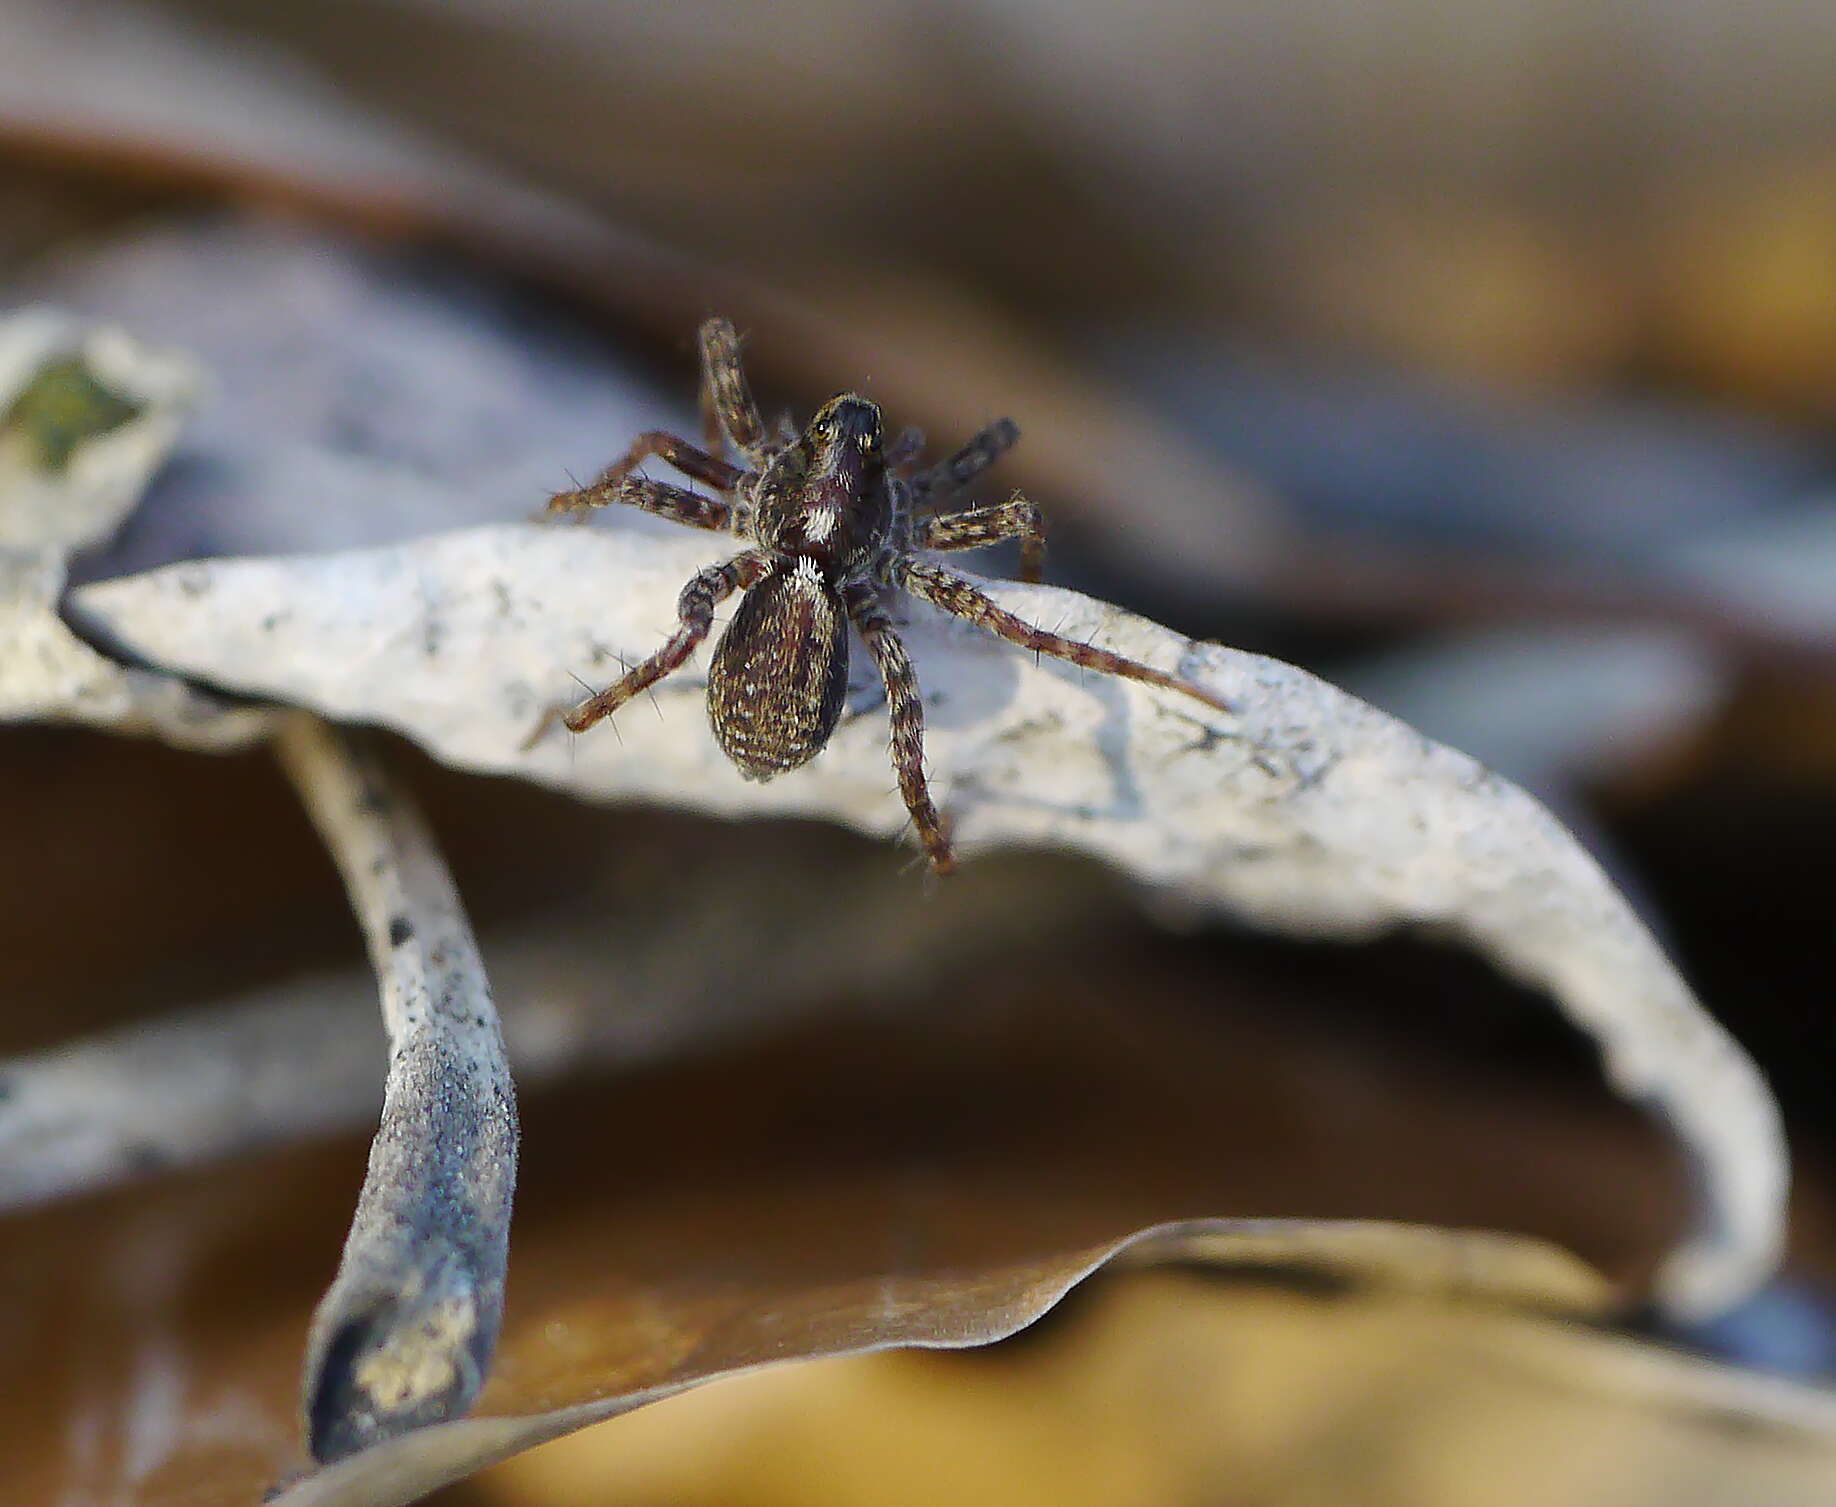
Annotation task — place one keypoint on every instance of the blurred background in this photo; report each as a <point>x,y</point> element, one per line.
<point>1480,359</point>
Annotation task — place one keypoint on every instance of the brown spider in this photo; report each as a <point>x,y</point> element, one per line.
<point>830,516</point>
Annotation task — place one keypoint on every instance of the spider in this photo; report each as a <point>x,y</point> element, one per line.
<point>832,519</point>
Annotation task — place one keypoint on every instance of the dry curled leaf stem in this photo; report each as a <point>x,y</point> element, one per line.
<point>404,1336</point>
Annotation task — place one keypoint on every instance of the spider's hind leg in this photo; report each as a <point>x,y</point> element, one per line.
<point>695,610</point>
<point>905,714</point>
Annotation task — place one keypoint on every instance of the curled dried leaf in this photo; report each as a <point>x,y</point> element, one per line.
<point>1308,811</point>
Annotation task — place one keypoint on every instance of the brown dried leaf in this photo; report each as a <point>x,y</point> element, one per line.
<point>932,1184</point>
<point>1178,1388</point>
<point>931,1181</point>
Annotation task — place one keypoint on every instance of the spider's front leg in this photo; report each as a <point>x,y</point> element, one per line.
<point>674,503</point>
<point>945,589</point>
<point>727,404</point>
<point>971,461</point>
<point>979,527</point>
<point>907,445</point>
<point>905,713</point>
<point>695,611</point>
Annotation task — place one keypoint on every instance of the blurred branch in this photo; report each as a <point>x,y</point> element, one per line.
<point>299,1060</point>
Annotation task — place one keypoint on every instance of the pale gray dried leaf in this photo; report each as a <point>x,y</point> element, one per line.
<point>1550,704</point>
<point>87,415</point>
<point>1778,567</point>
<point>1308,812</point>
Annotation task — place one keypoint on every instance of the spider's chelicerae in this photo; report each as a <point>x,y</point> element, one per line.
<point>835,519</point>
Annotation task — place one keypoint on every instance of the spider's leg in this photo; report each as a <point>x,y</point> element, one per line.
<point>945,589</point>
<point>907,446</point>
<point>713,432</point>
<point>905,713</point>
<point>674,503</point>
<point>726,396</point>
<point>968,463</point>
<point>691,460</point>
<point>695,609</point>
<point>1014,519</point>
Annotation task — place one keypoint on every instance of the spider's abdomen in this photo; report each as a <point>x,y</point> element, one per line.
<point>780,674</point>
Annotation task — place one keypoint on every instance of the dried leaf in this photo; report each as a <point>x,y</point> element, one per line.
<point>1181,1388</point>
<point>481,401</point>
<point>86,417</point>
<point>920,1181</point>
<point>1308,812</point>
<point>954,1314</point>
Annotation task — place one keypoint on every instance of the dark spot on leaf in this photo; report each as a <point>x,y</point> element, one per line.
<point>401,929</point>
<point>62,406</point>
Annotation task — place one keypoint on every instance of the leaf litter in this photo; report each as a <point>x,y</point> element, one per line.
<point>1308,812</point>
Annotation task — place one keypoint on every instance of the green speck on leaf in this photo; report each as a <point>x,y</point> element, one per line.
<point>62,406</point>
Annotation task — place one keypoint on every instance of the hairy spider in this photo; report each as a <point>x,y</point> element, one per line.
<point>832,518</point>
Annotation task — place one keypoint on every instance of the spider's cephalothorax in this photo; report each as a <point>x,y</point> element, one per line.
<point>829,518</point>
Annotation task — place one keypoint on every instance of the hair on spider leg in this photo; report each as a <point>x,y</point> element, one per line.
<point>830,536</point>
<point>624,668</point>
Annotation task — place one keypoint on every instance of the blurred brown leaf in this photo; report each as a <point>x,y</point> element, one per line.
<point>1172,1388</point>
<point>935,1182</point>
